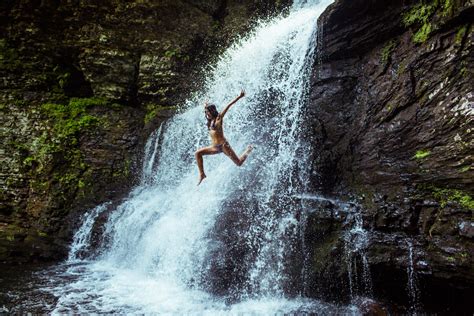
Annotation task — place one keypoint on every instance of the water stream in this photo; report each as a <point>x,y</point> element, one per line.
<point>412,285</point>
<point>356,242</point>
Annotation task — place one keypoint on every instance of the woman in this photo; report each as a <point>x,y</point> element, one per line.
<point>219,143</point>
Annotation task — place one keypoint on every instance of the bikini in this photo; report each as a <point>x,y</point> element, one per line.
<point>218,147</point>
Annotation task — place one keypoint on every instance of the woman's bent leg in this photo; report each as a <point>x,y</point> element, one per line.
<point>211,150</point>
<point>239,161</point>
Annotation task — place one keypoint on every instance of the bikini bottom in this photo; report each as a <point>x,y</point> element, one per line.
<point>220,146</point>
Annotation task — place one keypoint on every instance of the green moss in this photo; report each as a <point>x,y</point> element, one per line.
<point>463,71</point>
<point>176,54</point>
<point>124,170</point>
<point>150,115</point>
<point>387,52</point>
<point>68,122</point>
<point>55,157</point>
<point>460,34</point>
<point>465,169</point>
<point>420,154</point>
<point>421,15</point>
<point>39,185</point>
<point>153,110</point>
<point>72,118</point>
<point>67,179</point>
<point>445,195</point>
<point>28,161</point>
<point>170,53</point>
<point>41,233</point>
<point>447,7</point>
<point>74,177</point>
<point>423,33</point>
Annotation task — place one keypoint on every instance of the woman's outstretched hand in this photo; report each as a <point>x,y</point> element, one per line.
<point>242,93</point>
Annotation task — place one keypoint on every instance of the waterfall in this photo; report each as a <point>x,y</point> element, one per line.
<point>356,241</point>
<point>82,237</point>
<point>412,284</point>
<point>149,161</point>
<point>175,247</point>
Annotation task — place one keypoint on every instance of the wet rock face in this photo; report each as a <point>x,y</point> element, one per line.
<point>55,165</point>
<point>234,268</point>
<point>392,104</point>
<point>82,86</point>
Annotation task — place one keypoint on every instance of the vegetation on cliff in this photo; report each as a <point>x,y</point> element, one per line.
<point>392,107</point>
<point>427,15</point>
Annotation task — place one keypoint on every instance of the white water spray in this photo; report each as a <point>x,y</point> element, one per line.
<point>149,159</point>
<point>356,243</point>
<point>412,284</point>
<point>82,237</point>
<point>164,251</point>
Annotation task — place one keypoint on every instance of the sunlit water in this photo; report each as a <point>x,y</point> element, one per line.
<point>223,247</point>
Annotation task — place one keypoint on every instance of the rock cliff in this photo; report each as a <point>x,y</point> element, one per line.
<point>82,85</point>
<point>392,104</point>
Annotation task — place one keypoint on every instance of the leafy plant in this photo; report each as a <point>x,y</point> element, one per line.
<point>420,154</point>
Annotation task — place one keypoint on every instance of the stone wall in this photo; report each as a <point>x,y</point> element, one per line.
<point>392,103</point>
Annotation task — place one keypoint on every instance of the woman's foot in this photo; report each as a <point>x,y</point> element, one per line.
<point>201,177</point>
<point>245,155</point>
<point>249,150</point>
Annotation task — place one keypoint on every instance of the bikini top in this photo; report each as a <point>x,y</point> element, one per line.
<point>213,125</point>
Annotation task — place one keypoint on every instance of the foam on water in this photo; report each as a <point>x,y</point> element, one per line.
<point>159,245</point>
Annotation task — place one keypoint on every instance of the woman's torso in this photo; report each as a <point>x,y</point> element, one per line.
<point>216,132</point>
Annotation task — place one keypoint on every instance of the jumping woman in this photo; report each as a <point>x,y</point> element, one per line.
<point>219,143</point>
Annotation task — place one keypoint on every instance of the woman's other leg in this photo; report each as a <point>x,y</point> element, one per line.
<point>211,150</point>
<point>239,161</point>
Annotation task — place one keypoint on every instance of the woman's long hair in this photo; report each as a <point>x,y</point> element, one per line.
<point>214,113</point>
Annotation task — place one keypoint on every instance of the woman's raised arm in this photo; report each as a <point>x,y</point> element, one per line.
<point>241,95</point>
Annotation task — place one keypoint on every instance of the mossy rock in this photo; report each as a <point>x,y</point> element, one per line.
<point>427,15</point>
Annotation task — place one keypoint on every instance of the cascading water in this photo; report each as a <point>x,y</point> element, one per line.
<point>82,237</point>
<point>412,285</point>
<point>149,161</point>
<point>173,247</point>
<point>355,243</point>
